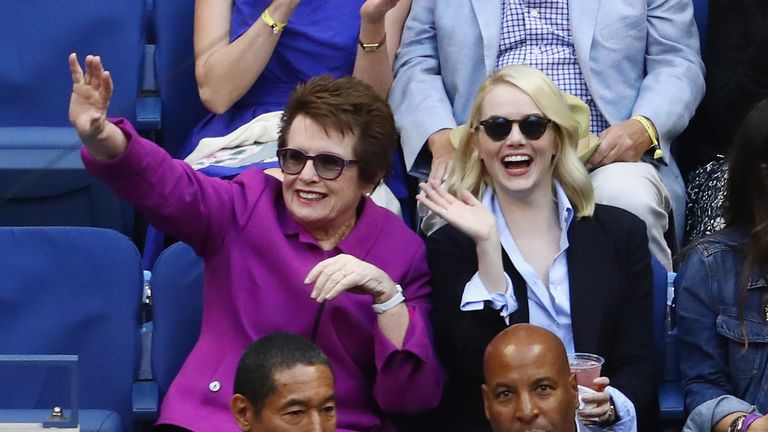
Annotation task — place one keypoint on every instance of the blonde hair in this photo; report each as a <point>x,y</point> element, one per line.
<point>469,172</point>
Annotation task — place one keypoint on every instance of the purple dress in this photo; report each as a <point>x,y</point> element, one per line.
<point>320,38</point>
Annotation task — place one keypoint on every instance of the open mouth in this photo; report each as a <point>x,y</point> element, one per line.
<point>516,162</point>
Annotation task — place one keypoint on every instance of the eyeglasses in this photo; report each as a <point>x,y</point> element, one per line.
<point>327,166</point>
<point>531,126</point>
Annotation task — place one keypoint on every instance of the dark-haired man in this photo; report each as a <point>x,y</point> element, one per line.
<point>284,382</point>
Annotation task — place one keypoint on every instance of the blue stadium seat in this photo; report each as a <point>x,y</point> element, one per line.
<point>71,291</point>
<point>177,310</point>
<point>670,394</point>
<point>701,15</point>
<point>38,148</point>
<point>182,109</point>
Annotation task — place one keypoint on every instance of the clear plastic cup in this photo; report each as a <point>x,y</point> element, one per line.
<point>586,367</point>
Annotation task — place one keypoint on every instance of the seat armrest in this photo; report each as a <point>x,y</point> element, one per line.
<point>148,113</point>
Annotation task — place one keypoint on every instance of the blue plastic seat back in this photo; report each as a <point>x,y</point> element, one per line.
<point>175,71</point>
<point>659,312</point>
<point>701,15</point>
<point>38,35</point>
<point>177,310</point>
<point>670,395</point>
<point>68,290</point>
<point>43,183</point>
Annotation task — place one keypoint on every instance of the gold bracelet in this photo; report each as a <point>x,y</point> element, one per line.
<point>368,47</point>
<point>657,153</point>
<point>277,27</point>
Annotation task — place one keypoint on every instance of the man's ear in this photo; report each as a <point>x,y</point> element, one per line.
<point>486,400</point>
<point>573,386</point>
<point>242,411</point>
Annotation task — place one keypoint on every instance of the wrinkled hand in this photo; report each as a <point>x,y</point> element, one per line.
<point>468,215</point>
<point>443,153</point>
<point>90,98</point>
<point>599,414</point>
<point>333,276</point>
<point>373,11</point>
<point>623,142</point>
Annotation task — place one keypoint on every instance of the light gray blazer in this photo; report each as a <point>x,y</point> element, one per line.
<point>637,57</point>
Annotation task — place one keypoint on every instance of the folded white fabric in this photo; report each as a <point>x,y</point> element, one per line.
<point>262,129</point>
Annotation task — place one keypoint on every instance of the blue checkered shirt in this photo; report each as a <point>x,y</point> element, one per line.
<point>538,33</point>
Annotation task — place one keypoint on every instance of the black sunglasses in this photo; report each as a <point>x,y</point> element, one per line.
<point>531,126</point>
<point>327,166</point>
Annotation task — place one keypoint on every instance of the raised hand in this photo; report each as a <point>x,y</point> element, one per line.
<point>334,276</point>
<point>373,11</point>
<point>466,214</point>
<point>91,93</point>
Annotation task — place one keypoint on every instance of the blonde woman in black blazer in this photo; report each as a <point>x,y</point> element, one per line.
<point>519,158</point>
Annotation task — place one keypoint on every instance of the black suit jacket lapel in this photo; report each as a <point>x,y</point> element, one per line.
<point>588,253</point>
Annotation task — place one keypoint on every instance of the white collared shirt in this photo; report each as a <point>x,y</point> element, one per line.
<point>549,306</point>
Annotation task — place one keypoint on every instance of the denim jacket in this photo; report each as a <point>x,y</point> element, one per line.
<point>714,365</point>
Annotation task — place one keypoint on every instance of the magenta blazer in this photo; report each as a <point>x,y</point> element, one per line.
<point>256,258</point>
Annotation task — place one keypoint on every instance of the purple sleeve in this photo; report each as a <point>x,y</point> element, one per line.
<point>168,192</point>
<point>415,367</point>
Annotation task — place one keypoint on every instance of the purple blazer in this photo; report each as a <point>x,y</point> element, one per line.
<point>256,258</point>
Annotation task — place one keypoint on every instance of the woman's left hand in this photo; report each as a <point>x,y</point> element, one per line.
<point>600,412</point>
<point>373,11</point>
<point>341,273</point>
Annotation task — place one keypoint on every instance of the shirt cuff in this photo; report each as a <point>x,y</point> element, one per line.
<point>625,410</point>
<point>475,295</point>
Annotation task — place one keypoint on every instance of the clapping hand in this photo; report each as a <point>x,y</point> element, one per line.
<point>467,214</point>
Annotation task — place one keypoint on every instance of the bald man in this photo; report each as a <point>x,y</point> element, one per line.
<point>529,386</point>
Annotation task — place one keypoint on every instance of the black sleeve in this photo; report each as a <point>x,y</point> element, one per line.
<point>460,336</point>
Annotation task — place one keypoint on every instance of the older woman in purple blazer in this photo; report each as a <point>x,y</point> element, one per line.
<point>311,255</point>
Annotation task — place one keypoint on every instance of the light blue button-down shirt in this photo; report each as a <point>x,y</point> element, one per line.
<point>548,306</point>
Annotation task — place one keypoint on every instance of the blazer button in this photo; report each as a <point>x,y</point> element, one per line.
<point>214,386</point>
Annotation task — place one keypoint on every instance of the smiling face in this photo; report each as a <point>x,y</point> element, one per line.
<point>303,401</point>
<point>323,207</point>
<point>518,166</point>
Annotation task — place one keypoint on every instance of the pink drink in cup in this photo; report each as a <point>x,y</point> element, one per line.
<point>586,367</point>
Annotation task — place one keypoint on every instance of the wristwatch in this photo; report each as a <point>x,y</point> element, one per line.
<point>389,304</point>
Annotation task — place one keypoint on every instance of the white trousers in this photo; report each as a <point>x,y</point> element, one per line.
<point>637,188</point>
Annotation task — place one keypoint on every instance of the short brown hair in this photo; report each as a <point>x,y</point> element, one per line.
<point>349,106</point>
